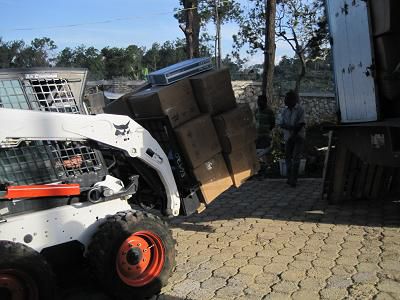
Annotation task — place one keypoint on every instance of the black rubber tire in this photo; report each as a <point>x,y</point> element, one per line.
<point>102,252</point>
<point>24,259</point>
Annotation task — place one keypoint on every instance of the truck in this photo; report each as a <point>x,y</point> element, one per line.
<point>77,183</point>
<point>363,157</point>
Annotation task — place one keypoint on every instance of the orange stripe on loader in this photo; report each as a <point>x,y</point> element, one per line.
<point>35,191</point>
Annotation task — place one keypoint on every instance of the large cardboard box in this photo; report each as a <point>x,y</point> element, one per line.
<point>119,107</point>
<point>175,101</point>
<point>242,163</point>
<point>214,178</point>
<point>198,140</point>
<point>213,91</point>
<point>235,128</point>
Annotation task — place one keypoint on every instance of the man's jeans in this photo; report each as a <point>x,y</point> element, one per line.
<point>293,151</point>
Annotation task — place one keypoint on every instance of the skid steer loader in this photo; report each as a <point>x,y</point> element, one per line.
<point>69,178</point>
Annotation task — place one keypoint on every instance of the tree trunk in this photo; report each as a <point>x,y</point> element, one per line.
<point>302,72</point>
<point>269,51</point>
<point>217,35</point>
<point>196,30</point>
<point>191,28</point>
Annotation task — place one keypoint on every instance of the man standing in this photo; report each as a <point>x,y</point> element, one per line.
<point>292,122</point>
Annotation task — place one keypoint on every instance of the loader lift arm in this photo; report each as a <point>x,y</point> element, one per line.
<point>115,131</point>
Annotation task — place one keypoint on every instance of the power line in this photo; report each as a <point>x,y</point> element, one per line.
<point>99,22</point>
<point>104,21</point>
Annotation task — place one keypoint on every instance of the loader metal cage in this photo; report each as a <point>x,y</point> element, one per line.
<point>41,162</point>
<point>47,161</point>
<point>53,95</point>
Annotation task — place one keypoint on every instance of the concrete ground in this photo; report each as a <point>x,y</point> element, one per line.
<point>269,241</point>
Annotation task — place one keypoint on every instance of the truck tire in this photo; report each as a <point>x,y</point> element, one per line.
<point>24,273</point>
<point>132,255</point>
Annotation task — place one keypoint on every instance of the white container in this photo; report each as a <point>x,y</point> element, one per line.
<point>282,167</point>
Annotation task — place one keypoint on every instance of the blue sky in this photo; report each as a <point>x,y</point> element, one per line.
<point>142,23</point>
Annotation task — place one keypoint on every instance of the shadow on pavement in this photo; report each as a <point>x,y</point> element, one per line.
<point>275,200</point>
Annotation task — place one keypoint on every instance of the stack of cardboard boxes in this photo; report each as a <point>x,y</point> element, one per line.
<point>216,137</point>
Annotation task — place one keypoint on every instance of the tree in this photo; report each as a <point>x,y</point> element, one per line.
<point>38,54</point>
<point>233,67</point>
<point>16,54</point>
<point>302,24</point>
<point>9,51</point>
<point>123,62</point>
<point>197,13</point>
<point>189,20</point>
<point>269,52</point>
<point>319,76</point>
<point>152,57</point>
<point>83,57</point>
<point>257,29</point>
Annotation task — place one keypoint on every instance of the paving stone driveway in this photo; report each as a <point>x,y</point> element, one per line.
<point>269,241</point>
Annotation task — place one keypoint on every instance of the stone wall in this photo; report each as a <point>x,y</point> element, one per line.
<point>319,107</point>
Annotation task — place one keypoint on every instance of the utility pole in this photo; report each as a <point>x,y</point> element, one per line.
<point>217,35</point>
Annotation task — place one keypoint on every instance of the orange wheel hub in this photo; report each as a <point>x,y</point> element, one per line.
<point>140,259</point>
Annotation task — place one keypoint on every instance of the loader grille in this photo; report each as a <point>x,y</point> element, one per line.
<point>45,162</point>
<point>53,95</point>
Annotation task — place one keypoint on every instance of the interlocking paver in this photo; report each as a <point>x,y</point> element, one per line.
<point>385,296</point>
<point>251,269</point>
<point>333,293</point>
<point>343,270</point>
<point>277,296</point>
<point>275,268</point>
<point>225,272</point>
<point>213,283</point>
<point>183,288</point>
<point>268,241</point>
<point>311,283</point>
<point>368,277</point>
<point>230,291</point>
<point>293,275</point>
<point>389,286</point>
<point>362,291</point>
<point>305,295</point>
<point>285,287</point>
<point>200,274</point>
<point>318,272</point>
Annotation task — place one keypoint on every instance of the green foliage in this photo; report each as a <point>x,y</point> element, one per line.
<point>83,57</point>
<point>16,54</point>
<point>300,23</point>
<point>123,62</point>
<point>132,62</point>
<point>228,10</point>
<point>278,144</point>
<point>251,28</point>
<point>303,25</point>
<point>319,76</point>
<point>203,13</point>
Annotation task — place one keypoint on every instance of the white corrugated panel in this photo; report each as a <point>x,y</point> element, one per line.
<point>352,54</point>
